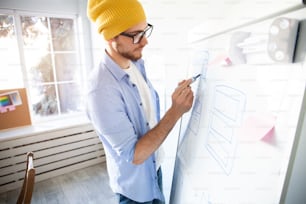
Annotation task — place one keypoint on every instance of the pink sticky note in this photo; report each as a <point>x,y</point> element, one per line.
<point>3,110</point>
<point>11,108</point>
<point>258,127</point>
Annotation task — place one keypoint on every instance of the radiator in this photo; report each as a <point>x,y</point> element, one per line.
<point>55,153</point>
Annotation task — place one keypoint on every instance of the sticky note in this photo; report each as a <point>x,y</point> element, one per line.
<point>258,126</point>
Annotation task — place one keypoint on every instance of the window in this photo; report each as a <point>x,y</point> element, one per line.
<point>42,53</point>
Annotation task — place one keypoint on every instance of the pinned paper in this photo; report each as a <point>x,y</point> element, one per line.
<point>9,101</point>
<point>219,59</point>
<point>258,127</point>
<point>226,62</point>
<point>5,101</point>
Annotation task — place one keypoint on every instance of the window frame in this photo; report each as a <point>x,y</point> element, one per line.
<point>79,51</point>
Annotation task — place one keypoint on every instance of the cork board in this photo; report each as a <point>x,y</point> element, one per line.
<point>14,108</point>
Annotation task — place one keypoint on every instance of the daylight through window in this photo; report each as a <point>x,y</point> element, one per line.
<point>42,54</point>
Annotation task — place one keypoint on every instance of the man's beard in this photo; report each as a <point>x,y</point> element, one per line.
<point>129,54</point>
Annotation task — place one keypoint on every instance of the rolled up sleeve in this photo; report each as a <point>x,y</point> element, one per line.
<point>108,114</point>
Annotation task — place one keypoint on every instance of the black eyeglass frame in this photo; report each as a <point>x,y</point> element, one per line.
<point>139,35</point>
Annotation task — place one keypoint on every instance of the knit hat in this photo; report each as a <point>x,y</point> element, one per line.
<point>113,17</point>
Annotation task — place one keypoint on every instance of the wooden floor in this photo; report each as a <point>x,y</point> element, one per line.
<point>89,185</point>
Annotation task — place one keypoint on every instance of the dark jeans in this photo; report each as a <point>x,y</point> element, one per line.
<point>124,200</point>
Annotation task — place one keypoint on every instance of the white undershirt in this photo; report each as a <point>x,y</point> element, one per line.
<point>146,98</point>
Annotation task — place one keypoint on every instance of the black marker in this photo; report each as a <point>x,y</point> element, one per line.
<point>195,78</point>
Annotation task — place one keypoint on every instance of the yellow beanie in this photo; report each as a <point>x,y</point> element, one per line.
<point>113,17</point>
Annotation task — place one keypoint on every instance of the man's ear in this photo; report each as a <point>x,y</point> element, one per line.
<point>112,41</point>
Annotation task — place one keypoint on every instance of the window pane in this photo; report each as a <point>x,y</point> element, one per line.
<point>67,67</point>
<point>10,69</point>
<point>36,49</point>
<point>62,34</point>
<point>35,33</point>
<point>44,100</point>
<point>42,71</point>
<point>70,98</point>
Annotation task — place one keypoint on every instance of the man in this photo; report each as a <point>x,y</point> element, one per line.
<point>123,106</point>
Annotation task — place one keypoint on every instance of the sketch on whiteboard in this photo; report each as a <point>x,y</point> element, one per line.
<point>195,118</point>
<point>226,114</point>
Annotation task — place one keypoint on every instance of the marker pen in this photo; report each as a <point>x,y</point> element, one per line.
<point>195,78</point>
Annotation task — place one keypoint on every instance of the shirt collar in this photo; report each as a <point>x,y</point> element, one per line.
<point>115,69</point>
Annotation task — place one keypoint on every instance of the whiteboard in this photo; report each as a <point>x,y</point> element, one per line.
<point>238,139</point>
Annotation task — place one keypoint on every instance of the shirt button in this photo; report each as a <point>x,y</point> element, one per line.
<point>147,124</point>
<point>140,104</point>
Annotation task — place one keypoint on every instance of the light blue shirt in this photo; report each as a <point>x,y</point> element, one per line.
<point>115,109</point>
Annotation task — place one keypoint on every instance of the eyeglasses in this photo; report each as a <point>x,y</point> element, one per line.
<point>137,37</point>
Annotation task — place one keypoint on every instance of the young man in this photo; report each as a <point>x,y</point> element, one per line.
<point>124,107</point>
